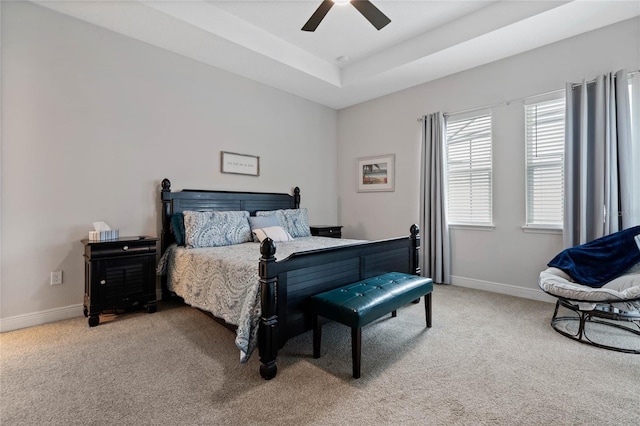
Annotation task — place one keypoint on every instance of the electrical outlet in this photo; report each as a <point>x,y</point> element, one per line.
<point>56,278</point>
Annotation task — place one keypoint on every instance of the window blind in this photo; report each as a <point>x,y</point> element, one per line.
<point>544,127</point>
<point>469,174</point>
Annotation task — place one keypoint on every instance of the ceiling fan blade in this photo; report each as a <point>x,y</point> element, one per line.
<point>372,13</point>
<point>318,16</point>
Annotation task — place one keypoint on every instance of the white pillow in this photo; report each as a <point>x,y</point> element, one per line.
<point>276,233</point>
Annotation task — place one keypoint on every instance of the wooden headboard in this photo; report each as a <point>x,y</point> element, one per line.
<point>193,199</point>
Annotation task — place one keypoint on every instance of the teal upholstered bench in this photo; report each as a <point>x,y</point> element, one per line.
<point>357,304</point>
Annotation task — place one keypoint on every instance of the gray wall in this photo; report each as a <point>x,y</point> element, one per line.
<point>91,123</point>
<point>504,259</point>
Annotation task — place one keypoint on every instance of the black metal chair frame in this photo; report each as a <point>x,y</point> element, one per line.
<point>596,316</point>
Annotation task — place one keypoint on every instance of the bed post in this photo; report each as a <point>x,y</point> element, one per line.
<point>296,197</point>
<point>268,328</point>
<point>165,233</point>
<point>415,250</point>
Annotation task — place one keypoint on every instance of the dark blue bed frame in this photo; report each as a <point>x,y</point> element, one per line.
<point>286,284</point>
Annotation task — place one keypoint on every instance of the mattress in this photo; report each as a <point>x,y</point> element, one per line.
<point>224,280</point>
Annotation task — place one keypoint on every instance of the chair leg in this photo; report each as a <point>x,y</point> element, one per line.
<point>427,309</point>
<point>356,347</point>
<point>317,336</point>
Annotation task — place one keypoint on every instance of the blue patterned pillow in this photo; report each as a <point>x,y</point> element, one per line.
<point>214,229</point>
<point>294,221</point>
<point>297,222</point>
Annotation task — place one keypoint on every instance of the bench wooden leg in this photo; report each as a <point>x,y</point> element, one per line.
<point>317,336</point>
<point>356,349</point>
<point>427,309</point>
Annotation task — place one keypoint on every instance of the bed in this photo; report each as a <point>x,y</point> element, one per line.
<point>267,283</point>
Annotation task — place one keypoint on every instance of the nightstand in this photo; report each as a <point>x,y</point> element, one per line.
<point>326,231</point>
<point>119,274</point>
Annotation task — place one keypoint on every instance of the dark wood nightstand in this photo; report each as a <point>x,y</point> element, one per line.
<point>119,274</point>
<point>326,231</point>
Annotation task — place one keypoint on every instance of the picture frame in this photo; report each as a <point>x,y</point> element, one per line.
<point>377,173</point>
<point>239,164</point>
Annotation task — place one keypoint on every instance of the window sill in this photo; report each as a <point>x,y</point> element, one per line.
<point>473,226</point>
<point>542,229</point>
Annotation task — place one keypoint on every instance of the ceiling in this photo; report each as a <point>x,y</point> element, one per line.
<point>426,39</point>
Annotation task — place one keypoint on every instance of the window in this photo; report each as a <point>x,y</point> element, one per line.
<point>469,176</point>
<point>544,127</point>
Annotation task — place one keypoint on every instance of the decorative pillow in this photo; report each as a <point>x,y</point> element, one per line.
<point>214,228</point>
<point>276,233</point>
<point>259,222</point>
<point>177,225</point>
<point>274,213</point>
<point>297,222</point>
<point>294,221</point>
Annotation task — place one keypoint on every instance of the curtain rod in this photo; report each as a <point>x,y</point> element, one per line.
<point>629,74</point>
<point>494,105</point>
<point>498,104</point>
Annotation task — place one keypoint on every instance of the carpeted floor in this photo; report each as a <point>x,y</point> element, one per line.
<point>489,359</point>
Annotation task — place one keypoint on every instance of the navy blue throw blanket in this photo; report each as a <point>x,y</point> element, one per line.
<point>597,262</point>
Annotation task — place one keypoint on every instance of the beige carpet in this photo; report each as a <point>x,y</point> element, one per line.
<point>489,359</point>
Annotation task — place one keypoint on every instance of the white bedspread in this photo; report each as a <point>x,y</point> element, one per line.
<point>224,280</point>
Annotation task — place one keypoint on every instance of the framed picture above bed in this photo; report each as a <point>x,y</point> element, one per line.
<point>240,164</point>
<point>376,173</point>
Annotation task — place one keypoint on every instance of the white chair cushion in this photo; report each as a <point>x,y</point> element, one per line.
<point>554,281</point>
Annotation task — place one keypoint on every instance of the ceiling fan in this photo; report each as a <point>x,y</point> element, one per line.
<point>366,8</point>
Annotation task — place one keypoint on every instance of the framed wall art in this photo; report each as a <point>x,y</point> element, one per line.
<point>376,173</point>
<point>241,164</point>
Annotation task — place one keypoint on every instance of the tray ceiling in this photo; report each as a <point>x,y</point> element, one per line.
<point>346,60</point>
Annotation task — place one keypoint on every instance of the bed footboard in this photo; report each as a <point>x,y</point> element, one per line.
<point>286,285</point>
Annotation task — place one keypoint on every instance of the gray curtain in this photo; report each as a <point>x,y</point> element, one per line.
<point>598,174</point>
<point>436,254</point>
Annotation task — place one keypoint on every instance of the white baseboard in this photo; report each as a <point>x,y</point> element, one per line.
<point>508,289</point>
<point>57,314</point>
<point>42,317</point>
